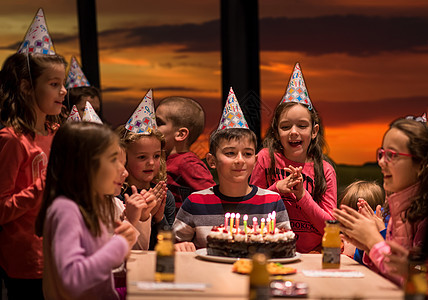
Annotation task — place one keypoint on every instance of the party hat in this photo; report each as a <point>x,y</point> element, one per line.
<point>75,77</point>
<point>422,118</point>
<point>90,115</point>
<point>232,114</point>
<point>37,39</point>
<point>74,115</point>
<point>296,90</point>
<point>143,120</point>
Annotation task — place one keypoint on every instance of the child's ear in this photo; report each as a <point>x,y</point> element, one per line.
<point>315,131</point>
<point>181,134</point>
<point>25,87</point>
<point>210,160</point>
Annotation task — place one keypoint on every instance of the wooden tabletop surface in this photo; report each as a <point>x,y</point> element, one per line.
<point>222,283</point>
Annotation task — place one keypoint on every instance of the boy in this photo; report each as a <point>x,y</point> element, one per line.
<point>232,153</point>
<point>182,120</point>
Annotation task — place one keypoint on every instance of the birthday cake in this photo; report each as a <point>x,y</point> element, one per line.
<point>235,242</point>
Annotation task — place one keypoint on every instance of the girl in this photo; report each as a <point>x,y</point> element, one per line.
<point>138,205</point>
<point>31,96</point>
<point>404,164</point>
<point>292,163</point>
<point>78,211</point>
<point>146,166</point>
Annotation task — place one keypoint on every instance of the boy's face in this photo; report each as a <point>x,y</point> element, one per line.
<point>165,126</point>
<point>234,160</point>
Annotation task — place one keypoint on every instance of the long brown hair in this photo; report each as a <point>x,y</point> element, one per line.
<point>16,108</point>
<point>73,164</point>
<point>314,152</point>
<point>417,132</point>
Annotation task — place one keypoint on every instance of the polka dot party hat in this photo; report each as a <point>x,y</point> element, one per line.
<point>37,39</point>
<point>296,90</point>
<point>75,77</point>
<point>143,120</point>
<point>232,114</point>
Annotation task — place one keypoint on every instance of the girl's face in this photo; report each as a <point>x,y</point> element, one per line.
<point>401,172</point>
<point>49,90</point>
<point>120,180</point>
<point>144,157</point>
<point>109,170</point>
<point>295,132</point>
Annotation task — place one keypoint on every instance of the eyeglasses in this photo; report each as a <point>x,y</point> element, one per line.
<point>389,154</point>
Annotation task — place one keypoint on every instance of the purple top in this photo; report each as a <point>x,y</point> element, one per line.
<point>78,265</point>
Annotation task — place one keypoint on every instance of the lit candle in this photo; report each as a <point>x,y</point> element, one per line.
<point>232,218</point>
<point>262,226</point>
<point>254,224</point>
<point>226,219</point>
<point>237,222</point>
<point>245,223</point>
<point>268,223</point>
<point>274,220</point>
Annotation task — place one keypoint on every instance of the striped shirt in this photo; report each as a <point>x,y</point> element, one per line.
<point>204,209</point>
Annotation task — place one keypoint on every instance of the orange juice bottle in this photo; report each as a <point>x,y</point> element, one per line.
<point>331,243</point>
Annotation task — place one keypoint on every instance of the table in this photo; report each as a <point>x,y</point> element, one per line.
<point>224,284</point>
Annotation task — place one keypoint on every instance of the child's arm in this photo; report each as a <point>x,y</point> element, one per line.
<point>13,203</point>
<point>318,213</point>
<point>67,239</point>
<point>183,229</point>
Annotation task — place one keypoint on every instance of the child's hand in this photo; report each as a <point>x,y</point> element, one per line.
<point>292,183</point>
<point>365,209</point>
<point>126,230</point>
<point>185,247</point>
<point>160,192</point>
<point>135,204</point>
<point>397,259</point>
<point>150,199</point>
<point>358,229</point>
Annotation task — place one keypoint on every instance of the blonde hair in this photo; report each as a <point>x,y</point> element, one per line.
<point>127,138</point>
<point>368,190</point>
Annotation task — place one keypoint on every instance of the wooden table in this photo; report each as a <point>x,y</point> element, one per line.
<point>223,284</point>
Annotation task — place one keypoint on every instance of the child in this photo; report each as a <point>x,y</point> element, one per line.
<point>79,95</point>
<point>78,249</point>
<point>80,92</point>
<point>138,206</point>
<point>146,165</point>
<point>31,96</point>
<point>404,163</point>
<point>181,120</point>
<point>359,194</point>
<point>232,153</point>
<point>292,164</point>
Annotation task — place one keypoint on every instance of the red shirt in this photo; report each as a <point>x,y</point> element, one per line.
<point>23,164</point>
<point>186,174</point>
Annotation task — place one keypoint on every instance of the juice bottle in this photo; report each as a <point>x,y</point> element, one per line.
<point>259,278</point>
<point>164,256</point>
<point>331,243</point>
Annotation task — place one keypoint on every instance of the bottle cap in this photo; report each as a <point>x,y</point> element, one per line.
<point>332,222</point>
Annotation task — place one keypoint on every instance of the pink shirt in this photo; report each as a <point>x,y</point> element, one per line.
<point>307,217</point>
<point>406,234</point>
<point>77,264</point>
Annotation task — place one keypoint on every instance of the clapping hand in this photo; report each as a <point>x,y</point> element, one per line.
<point>292,183</point>
<point>365,209</point>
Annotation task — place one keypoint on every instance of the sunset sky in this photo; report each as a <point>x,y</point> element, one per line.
<point>365,62</point>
